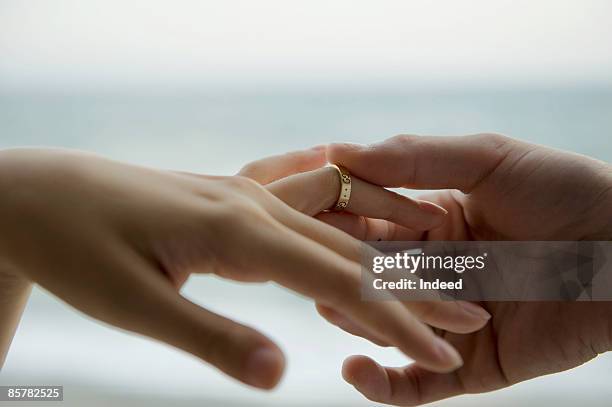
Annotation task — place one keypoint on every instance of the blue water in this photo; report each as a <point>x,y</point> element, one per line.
<point>218,131</point>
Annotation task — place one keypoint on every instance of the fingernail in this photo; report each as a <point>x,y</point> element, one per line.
<point>474,310</point>
<point>264,368</point>
<point>319,147</point>
<point>432,208</point>
<point>447,353</point>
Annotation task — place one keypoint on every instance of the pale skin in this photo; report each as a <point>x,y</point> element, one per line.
<point>494,188</point>
<point>118,241</point>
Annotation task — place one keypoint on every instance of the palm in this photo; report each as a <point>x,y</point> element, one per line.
<point>526,339</point>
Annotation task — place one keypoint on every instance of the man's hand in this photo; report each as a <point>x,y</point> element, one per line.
<point>495,188</point>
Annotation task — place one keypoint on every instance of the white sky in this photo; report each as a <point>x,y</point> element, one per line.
<point>64,42</point>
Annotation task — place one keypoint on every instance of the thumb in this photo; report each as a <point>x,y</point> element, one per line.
<point>424,162</point>
<point>237,350</point>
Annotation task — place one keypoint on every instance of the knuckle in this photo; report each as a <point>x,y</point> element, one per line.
<point>237,182</point>
<point>496,147</point>
<point>409,145</point>
<point>251,169</point>
<point>494,141</point>
<point>404,139</point>
<point>236,211</point>
<point>244,184</point>
<point>238,215</point>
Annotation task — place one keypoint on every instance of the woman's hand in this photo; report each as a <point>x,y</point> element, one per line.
<point>498,189</point>
<point>118,241</point>
<point>301,181</point>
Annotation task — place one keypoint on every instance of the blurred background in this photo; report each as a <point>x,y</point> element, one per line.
<point>208,86</point>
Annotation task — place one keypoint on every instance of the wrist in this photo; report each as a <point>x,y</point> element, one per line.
<point>14,293</point>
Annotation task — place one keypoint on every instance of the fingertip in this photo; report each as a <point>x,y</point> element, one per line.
<point>432,216</point>
<point>432,209</point>
<point>475,310</point>
<point>448,357</point>
<point>367,376</point>
<point>326,312</point>
<point>465,324</point>
<point>265,367</point>
<point>348,368</point>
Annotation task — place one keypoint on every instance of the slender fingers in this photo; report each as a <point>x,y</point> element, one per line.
<point>376,202</point>
<point>272,168</point>
<point>369,229</point>
<point>323,186</point>
<point>237,350</point>
<point>348,325</point>
<point>408,386</point>
<point>333,280</point>
<point>454,316</point>
<point>128,289</point>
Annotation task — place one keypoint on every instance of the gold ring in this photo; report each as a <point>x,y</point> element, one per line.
<point>345,188</point>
